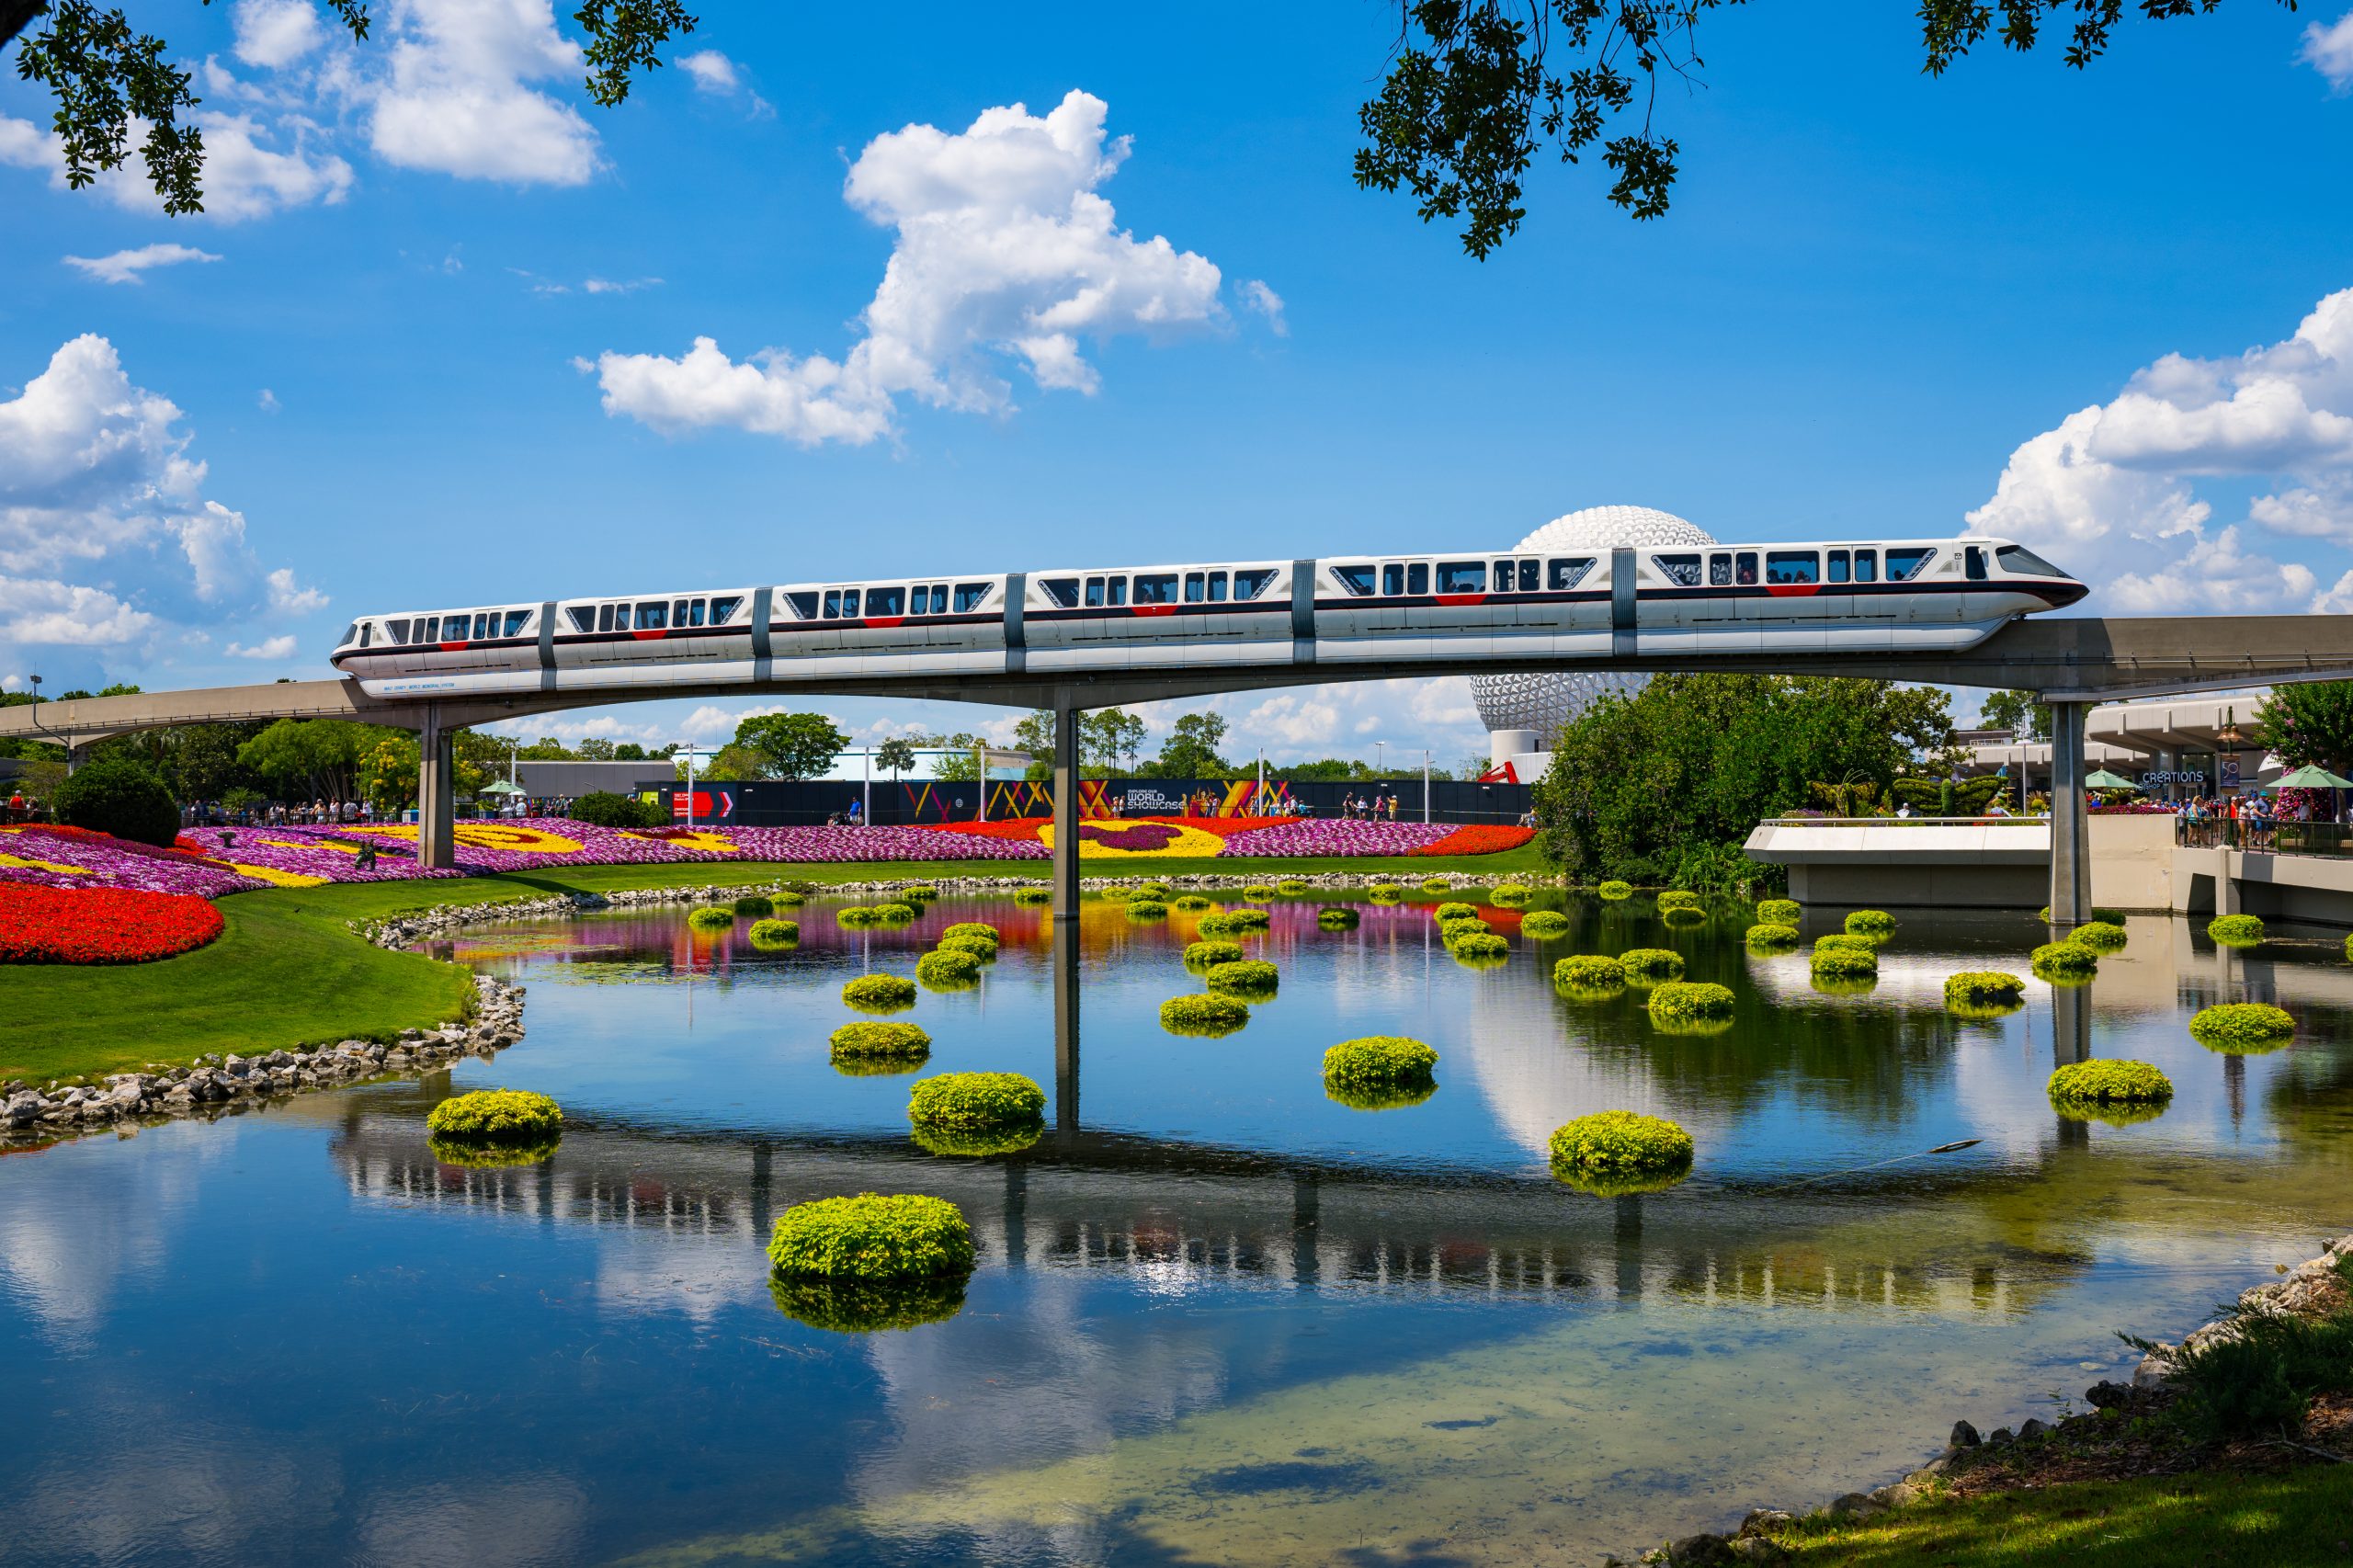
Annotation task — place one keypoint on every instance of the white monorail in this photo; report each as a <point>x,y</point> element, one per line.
<point>1871,597</point>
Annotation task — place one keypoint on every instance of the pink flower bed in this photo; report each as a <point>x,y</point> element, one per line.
<point>1335,836</point>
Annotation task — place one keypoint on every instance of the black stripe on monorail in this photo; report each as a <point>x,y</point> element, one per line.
<point>1160,613</point>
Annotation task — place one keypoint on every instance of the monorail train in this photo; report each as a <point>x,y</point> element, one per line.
<point>1870,596</point>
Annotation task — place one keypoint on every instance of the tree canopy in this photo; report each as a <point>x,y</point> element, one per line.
<point>788,745</point>
<point>2309,721</point>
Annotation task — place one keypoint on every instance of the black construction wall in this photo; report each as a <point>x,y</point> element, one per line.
<point>773,803</point>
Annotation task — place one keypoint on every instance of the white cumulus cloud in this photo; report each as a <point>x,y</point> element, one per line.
<point>1267,304</point>
<point>125,266</point>
<point>459,100</point>
<point>2328,48</point>
<point>712,72</point>
<point>2112,492</point>
<point>275,33</point>
<point>1005,252</point>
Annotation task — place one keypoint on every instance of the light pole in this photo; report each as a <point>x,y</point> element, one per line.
<point>1379,759</point>
<point>1425,787</point>
<point>866,792</point>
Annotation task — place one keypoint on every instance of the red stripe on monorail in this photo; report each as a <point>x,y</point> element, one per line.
<point>452,647</point>
<point>1793,590</point>
<point>1153,609</point>
<point>1457,601</point>
<point>653,636</point>
<point>881,622</point>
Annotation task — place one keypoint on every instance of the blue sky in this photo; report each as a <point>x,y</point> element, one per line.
<point>2099,310</point>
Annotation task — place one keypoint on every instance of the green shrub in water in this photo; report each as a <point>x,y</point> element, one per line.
<point>1203,1015</point>
<point>1614,889</point>
<point>1614,1152</point>
<point>1778,912</point>
<point>1451,931</point>
<point>1201,955</point>
<point>495,1115</point>
<point>753,905</point>
<point>711,919</point>
<point>2107,1081</point>
<point>895,913</point>
<point>1479,947</point>
<point>1146,909</point>
<point>1218,923</point>
<point>1378,1061</point>
<point>862,1306</point>
<point>2113,916</point>
<point>1588,972</point>
<point>1153,890</point>
<point>1190,901</point>
<point>1845,964</point>
<point>1870,923</point>
<point>872,1236</point>
<point>1769,938</point>
<point>981,947</point>
<point>1258,891</point>
<point>1844,939</point>
<point>1545,924</point>
<point>1510,894</point>
<point>789,898</point>
<point>2064,960</point>
<point>1679,1000</point>
<point>1983,988</point>
<point>1248,919</point>
<point>1683,916</point>
<point>1244,977</point>
<point>920,890</point>
<point>1032,896</point>
<point>905,1044</point>
<point>857,914</point>
<point>946,969</point>
<point>1338,918</point>
<point>1290,885</point>
<point>1390,892</point>
<point>972,928</point>
<point>976,1102</point>
<point>1677,898</point>
<point>2100,936</point>
<point>1454,911</point>
<point>2236,930</point>
<point>1437,884</point>
<point>1385,1097</point>
<point>1652,963</point>
<point>880,992</point>
<point>2242,1028</point>
<point>769,936</point>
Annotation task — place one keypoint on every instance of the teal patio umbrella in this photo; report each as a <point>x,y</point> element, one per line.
<point>2103,780</point>
<point>2310,777</point>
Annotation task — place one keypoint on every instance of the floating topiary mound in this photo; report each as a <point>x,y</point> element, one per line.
<point>2243,1028</point>
<point>1681,1001</point>
<point>1870,923</point>
<point>1258,891</point>
<point>1479,947</point>
<point>1153,889</point>
<point>904,1045</point>
<point>1218,923</point>
<point>789,898</point>
<point>970,928</point>
<point>711,919</point>
<point>1436,885</point>
<point>976,1102</point>
<point>2064,960</point>
<point>856,914</point>
<point>873,1237</point>
<point>2104,1081</point>
<point>1588,972</point>
<point>2236,930</point>
<point>880,992</point>
<point>1204,1014</point>
<point>1616,890</point>
<point>1652,963</point>
<point>981,947</point>
<point>2100,936</point>
<point>1029,896</point>
<point>1510,894</point>
<point>1201,955</point>
<point>1617,1152</point>
<point>1248,920</point>
<point>1677,898</point>
<point>1146,909</point>
<point>919,891</point>
<point>1378,1063</point>
<point>753,905</point>
<point>1544,925</point>
<point>1770,939</point>
<point>895,913</point>
<point>947,970</point>
<point>1244,977</point>
<point>1846,963</point>
<point>1451,931</point>
<point>495,1115</point>
<point>1983,988</point>
<point>1455,910</point>
<point>860,1306</point>
<point>1390,892</point>
<point>1290,885</point>
<point>1191,901</point>
<point>1778,912</point>
<point>1338,918</point>
<point>1682,915</point>
<point>1842,940</point>
<point>771,935</point>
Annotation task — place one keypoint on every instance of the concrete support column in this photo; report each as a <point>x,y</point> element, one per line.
<point>1065,813</point>
<point>437,793</point>
<point>2071,869</point>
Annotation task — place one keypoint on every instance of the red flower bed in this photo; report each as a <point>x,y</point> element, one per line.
<point>42,924</point>
<point>1478,839</point>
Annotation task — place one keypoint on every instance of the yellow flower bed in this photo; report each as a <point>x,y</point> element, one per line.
<point>484,835</point>
<point>1189,842</point>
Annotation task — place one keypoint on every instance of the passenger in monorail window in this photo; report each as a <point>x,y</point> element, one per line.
<point>1902,565</point>
<point>1527,570</point>
<point>1744,571</point>
<point>1393,578</point>
<point>1155,587</point>
<point>883,602</point>
<point>1565,574</point>
<point>653,616</point>
<point>1504,577</point>
<point>1356,577</point>
<point>1792,568</point>
<point>1417,578</point>
<point>723,610</point>
<point>1095,593</point>
<point>1461,576</point>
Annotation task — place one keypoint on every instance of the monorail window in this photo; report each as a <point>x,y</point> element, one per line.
<point>886,601</point>
<point>850,604</point>
<point>1836,572</point>
<point>1356,577</point>
<point>1683,570</point>
<point>1561,575</point>
<point>1529,571</point>
<point>1902,565</point>
<point>1393,578</point>
<point>1975,563</point>
<point>1744,569</point>
<point>833,604</point>
<point>515,621</point>
<point>350,635</point>
<point>653,615</point>
<point>1792,568</point>
<point>485,624</point>
<point>428,629</point>
<point>1250,584</point>
<point>1418,578</point>
<point>969,595</point>
<point>583,617</point>
<point>1197,587</point>
<point>1155,587</point>
<point>1064,591</point>
<point>1095,593</point>
<point>1720,569</point>
<point>453,627</point>
<point>804,606</point>
<point>1461,576</point>
<point>2018,558</point>
<point>1504,577</point>
<point>397,630</point>
<point>1217,587</point>
<point>1867,567</point>
<point>723,610</point>
<point>365,626</point>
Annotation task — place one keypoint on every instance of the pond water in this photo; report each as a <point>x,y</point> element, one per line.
<point>1218,1317</point>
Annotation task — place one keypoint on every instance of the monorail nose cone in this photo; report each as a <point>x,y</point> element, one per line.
<point>2068,594</point>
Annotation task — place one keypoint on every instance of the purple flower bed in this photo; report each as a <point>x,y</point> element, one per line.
<point>1317,836</point>
<point>105,862</point>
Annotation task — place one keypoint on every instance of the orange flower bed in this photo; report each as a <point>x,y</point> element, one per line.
<point>1478,839</point>
<point>40,924</point>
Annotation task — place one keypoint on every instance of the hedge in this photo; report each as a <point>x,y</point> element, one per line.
<point>2065,959</point>
<point>1030,896</point>
<point>2105,1081</point>
<point>120,797</point>
<point>1678,898</point>
<point>755,905</point>
<point>1146,909</point>
<point>1619,1150</point>
<point>1545,924</point>
<point>1770,939</point>
<point>860,1306</point>
<point>1479,947</point>
<point>1378,1061</point>
<point>1983,988</point>
<point>2100,936</point>
<point>974,1102</point>
<point>1614,890</point>
<point>495,1115</point>
<point>1244,977</point>
<point>1845,964</point>
<point>872,1041</point>
<point>711,918</point>
<point>1778,912</point>
<point>880,992</point>
<point>1652,963</point>
<point>2236,930</point>
<point>1870,923</point>
<point>870,1236</point>
<point>1201,955</point>
<point>1338,918</point>
<point>769,935</point>
<point>2242,1028</point>
<point>1588,972</point>
<point>1203,1015</point>
<point>1191,901</point>
<point>983,948</point>
<point>970,928</point>
<point>1454,911</point>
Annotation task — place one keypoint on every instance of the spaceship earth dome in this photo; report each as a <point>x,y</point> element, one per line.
<point>1547,700</point>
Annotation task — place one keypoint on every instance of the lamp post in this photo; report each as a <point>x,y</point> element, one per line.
<point>1425,787</point>
<point>1379,759</point>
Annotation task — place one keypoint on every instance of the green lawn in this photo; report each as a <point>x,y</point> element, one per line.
<point>2212,1519</point>
<point>289,971</point>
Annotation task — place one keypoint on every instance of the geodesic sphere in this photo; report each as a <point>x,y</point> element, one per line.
<point>1547,700</point>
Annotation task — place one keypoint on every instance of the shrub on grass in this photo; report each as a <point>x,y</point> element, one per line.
<point>1338,918</point>
<point>2236,930</point>
<point>2242,1028</point>
<point>1293,885</point>
<point>1845,964</point>
<point>1769,938</point>
<point>495,1115</point>
<point>2100,936</point>
<point>1258,891</point>
<point>1032,896</point>
<point>476,1155</point>
<point>711,918</point>
<point>1390,892</point>
<point>1545,924</point>
<point>1778,912</point>
<point>1616,1152</point>
<point>1681,1001</point>
<point>872,1236</point>
<point>862,1306</point>
<point>755,905</point>
<point>1378,1063</point>
<point>981,947</point>
<point>124,797</point>
<point>2064,960</point>
<point>1677,898</point>
<point>771,935</point>
<point>975,1102</point>
<point>2105,1081</point>
<point>1202,1015</point>
<point>945,968</point>
<point>880,992</point>
<point>1976,988</point>
<point>1870,923</point>
<point>1202,955</point>
<point>1455,910</point>
<point>1614,890</point>
<point>602,808</point>
<point>903,1045</point>
<point>1146,909</point>
<point>1588,972</point>
<point>1652,963</point>
<point>1244,977</point>
<point>1190,901</point>
<point>2258,1378</point>
<point>1479,947</point>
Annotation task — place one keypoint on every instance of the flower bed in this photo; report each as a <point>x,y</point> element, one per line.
<point>1478,839</point>
<point>48,924</point>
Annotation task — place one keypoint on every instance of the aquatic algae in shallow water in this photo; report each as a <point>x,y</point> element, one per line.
<point>1189,902</point>
<point>1510,894</point>
<point>977,1143</point>
<point>947,970</point>
<point>495,1115</point>
<point>1146,909</point>
<point>1290,885</point>
<point>895,913</point>
<point>976,927</point>
<point>1390,892</point>
<point>880,992</point>
<point>2236,930</point>
<point>476,1155</point>
<point>1454,910</point>
<point>1651,963</point>
<point>872,1236</point>
<point>857,914</point>
<point>1436,885</point>
<point>1203,1015</point>
<point>2239,1029</point>
<point>983,948</point>
<point>1258,891</point>
<point>1846,939</point>
<point>1243,920</point>
<point>1681,999</point>
<point>1778,912</point>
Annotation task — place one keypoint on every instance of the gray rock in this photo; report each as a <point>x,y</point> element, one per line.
<point>1964,1435</point>
<point>1702,1550</point>
<point>2031,1428</point>
<point>1760,1520</point>
<point>1755,1549</point>
<point>1898,1495</point>
<point>1855,1505</point>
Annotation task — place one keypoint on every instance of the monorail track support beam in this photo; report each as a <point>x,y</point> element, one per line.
<point>1065,925</point>
<point>2071,869</point>
<point>436,796</point>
